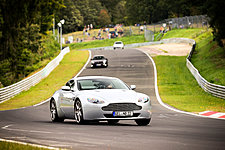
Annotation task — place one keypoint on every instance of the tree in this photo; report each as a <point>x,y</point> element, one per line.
<point>71,15</point>
<point>23,23</point>
<point>111,7</point>
<point>120,13</point>
<point>217,21</point>
<point>104,18</point>
<point>89,10</point>
<point>139,11</point>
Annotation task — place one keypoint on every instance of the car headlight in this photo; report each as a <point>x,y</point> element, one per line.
<point>95,101</point>
<point>143,99</point>
<point>92,62</point>
<point>104,61</point>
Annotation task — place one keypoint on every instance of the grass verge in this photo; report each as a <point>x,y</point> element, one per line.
<point>178,88</point>
<point>209,59</point>
<point>184,33</point>
<point>15,146</point>
<point>68,67</point>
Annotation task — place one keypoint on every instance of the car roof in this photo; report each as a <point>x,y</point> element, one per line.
<point>94,77</point>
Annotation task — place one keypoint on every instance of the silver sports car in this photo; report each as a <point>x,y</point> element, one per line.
<point>100,98</point>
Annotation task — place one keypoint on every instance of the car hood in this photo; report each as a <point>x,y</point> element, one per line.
<point>114,95</point>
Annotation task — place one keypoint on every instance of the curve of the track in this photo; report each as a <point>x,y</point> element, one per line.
<point>168,129</point>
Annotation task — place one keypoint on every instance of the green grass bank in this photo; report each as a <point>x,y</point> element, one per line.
<point>108,42</point>
<point>68,67</point>
<point>177,86</point>
<point>16,146</point>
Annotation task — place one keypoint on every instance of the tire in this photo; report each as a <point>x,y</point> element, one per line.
<point>112,122</point>
<point>54,113</point>
<point>78,112</point>
<point>143,122</point>
<point>114,48</point>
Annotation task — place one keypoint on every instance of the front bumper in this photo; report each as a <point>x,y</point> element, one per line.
<point>95,112</point>
<point>99,64</point>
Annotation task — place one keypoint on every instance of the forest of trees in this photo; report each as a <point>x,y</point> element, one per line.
<point>25,25</point>
<point>79,13</point>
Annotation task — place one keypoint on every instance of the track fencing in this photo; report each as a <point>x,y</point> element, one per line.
<point>25,84</point>
<point>200,21</point>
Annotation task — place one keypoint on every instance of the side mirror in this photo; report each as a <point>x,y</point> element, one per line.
<point>133,87</point>
<point>65,88</point>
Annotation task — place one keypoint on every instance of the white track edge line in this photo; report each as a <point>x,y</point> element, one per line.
<point>160,100</point>
<point>24,143</point>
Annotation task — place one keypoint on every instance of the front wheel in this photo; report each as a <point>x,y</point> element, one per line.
<point>78,112</point>
<point>54,113</point>
<point>143,122</point>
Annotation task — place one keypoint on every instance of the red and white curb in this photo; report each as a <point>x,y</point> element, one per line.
<point>213,114</point>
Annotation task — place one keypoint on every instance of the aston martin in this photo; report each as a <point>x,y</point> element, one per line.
<point>99,98</point>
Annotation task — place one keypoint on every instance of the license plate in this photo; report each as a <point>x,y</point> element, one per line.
<point>122,113</point>
<point>98,64</point>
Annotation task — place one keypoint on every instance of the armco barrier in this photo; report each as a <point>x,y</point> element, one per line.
<point>25,84</point>
<point>216,90</point>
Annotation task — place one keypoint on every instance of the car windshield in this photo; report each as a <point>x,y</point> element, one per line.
<point>92,84</point>
<point>98,57</point>
<point>118,42</point>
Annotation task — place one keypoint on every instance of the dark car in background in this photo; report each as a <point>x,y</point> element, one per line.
<point>99,61</point>
<point>113,34</point>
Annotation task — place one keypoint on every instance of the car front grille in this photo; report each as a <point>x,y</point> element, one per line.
<point>121,107</point>
<point>111,116</point>
<point>99,62</point>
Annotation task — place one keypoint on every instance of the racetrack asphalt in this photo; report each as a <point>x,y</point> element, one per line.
<point>168,129</point>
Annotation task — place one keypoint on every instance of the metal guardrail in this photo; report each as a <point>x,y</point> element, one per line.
<point>25,84</point>
<point>214,89</point>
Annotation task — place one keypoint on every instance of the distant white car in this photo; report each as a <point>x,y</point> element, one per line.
<point>118,44</point>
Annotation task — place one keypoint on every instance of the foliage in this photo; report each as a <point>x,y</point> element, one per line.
<point>89,9</point>
<point>71,65</point>
<point>217,21</point>
<point>104,18</point>
<point>23,24</point>
<point>72,16</point>
<point>27,60</point>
